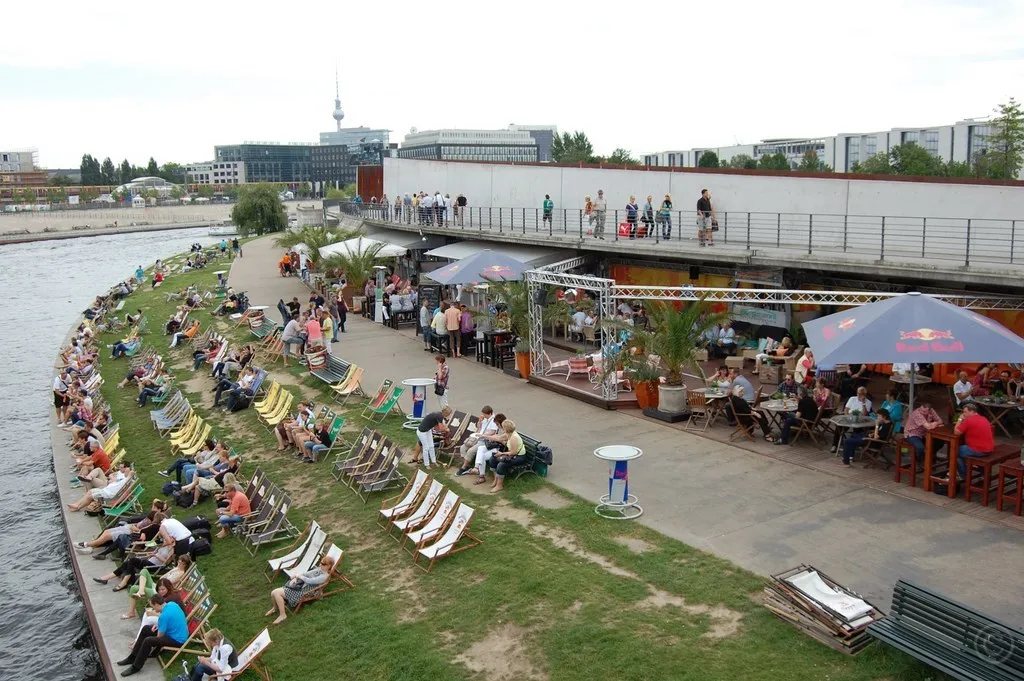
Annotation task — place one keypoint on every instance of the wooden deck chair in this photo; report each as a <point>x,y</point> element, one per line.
<point>126,503</point>
<point>171,415</point>
<point>428,504</point>
<point>383,390</point>
<point>191,439</point>
<point>310,558</point>
<point>277,528</point>
<point>449,543</point>
<point>466,427</point>
<point>198,620</point>
<point>812,428</point>
<point>111,441</point>
<point>254,482</point>
<point>185,430</point>
<point>336,582</point>
<point>384,478</point>
<point>390,405</point>
<point>269,401</point>
<point>197,446</point>
<point>699,411</point>
<point>310,542</point>
<point>354,386</point>
<point>345,378</point>
<point>249,658</point>
<point>744,428</point>
<point>373,455</point>
<point>345,460</point>
<point>405,502</point>
<point>270,422</point>
<point>269,499</point>
<point>435,526</point>
<point>334,432</point>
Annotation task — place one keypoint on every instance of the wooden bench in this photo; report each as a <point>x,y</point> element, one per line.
<point>1011,486</point>
<point>333,371</point>
<point>985,463</point>
<point>950,637</point>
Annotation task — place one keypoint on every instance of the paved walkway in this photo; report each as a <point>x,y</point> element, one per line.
<point>764,514</point>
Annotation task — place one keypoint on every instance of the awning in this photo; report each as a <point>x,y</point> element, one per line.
<point>361,244</point>
<point>529,255</point>
<point>409,240</point>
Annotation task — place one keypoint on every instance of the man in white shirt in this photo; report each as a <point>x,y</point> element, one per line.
<point>290,336</point>
<point>304,266</point>
<point>963,388</point>
<point>485,426</point>
<point>116,482</point>
<point>726,341</point>
<point>578,319</point>
<point>600,213</point>
<point>859,402</point>
<point>427,209</point>
<point>902,369</point>
<point>174,533</point>
<point>439,206</point>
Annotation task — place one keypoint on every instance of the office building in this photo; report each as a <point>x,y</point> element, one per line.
<point>543,135</point>
<point>269,161</point>
<point>20,169</point>
<point>507,146</point>
<point>793,148</point>
<point>215,172</point>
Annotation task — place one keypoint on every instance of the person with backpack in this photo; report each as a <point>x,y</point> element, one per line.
<point>549,209</point>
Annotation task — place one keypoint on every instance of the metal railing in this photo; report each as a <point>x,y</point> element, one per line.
<point>908,240</point>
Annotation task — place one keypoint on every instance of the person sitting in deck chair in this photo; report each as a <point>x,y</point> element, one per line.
<point>221,660</point>
<point>134,564</point>
<point>242,387</point>
<point>188,334</point>
<point>172,631</point>
<point>297,587</point>
<point>110,491</point>
<point>200,356</point>
<point>301,421</point>
<point>319,442</point>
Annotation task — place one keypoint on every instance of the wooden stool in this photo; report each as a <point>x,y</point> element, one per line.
<point>985,463</point>
<point>1011,472</point>
<point>904,447</point>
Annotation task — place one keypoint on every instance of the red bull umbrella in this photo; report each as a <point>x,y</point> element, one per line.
<point>485,265</point>
<point>914,329</point>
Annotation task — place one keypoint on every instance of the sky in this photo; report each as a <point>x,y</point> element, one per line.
<point>171,80</point>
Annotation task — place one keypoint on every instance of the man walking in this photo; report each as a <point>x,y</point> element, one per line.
<point>549,209</point>
<point>704,218</point>
<point>600,211</point>
<point>460,207</point>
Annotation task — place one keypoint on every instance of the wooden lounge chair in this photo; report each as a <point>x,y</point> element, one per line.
<point>427,505</point>
<point>466,428</point>
<point>343,393</point>
<point>449,543</point>
<point>403,504</point>
<point>336,582</point>
<point>198,620</point>
<point>435,526</point>
<point>277,528</point>
<point>346,459</point>
<point>376,453</point>
<point>379,397</point>
<point>390,405</point>
<point>249,658</point>
<point>311,541</point>
<point>384,478</point>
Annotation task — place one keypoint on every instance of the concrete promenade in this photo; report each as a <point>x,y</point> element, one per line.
<point>764,514</point>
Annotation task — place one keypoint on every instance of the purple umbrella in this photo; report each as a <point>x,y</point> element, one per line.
<point>911,328</point>
<point>485,265</point>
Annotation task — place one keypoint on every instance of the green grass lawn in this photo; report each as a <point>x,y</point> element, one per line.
<point>552,593</point>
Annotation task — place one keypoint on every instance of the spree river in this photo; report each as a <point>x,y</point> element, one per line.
<point>44,633</point>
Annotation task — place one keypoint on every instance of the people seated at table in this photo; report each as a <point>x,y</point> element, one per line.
<point>789,387</point>
<point>745,414</point>
<point>963,389</point>
<point>1006,385</point>
<point>773,351</point>
<point>292,593</point>
<point>976,431</point>
<point>172,631</point>
<point>851,377</point>
<point>821,394</point>
<point>806,410</point>
<point>725,344</point>
<point>804,368</point>
<point>859,403</point>
<point>920,421</point>
<point>894,408</point>
<point>720,379</point>
<point>738,379</point>
<point>985,378</point>
<point>879,436</point>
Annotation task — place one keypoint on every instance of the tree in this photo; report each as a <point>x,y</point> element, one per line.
<point>744,161</point>
<point>87,194</point>
<point>90,169</point>
<point>1004,153</point>
<point>231,191</point>
<point>572,147</point>
<point>258,211</point>
<point>124,174</point>
<point>173,173</point>
<point>118,195</point>
<point>177,192</point>
<point>809,163</point>
<point>357,266</point>
<point>878,164</point>
<point>152,169</point>
<point>205,191</point>
<point>346,193</point>
<point>622,157</point>
<point>314,238</point>
<point>60,180</point>
<point>304,190</point>
<point>56,195</point>
<point>959,169</point>
<point>776,161</point>
<point>28,195</point>
<point>108,173</point>
<point>708,159</point>
<point>910,159</point>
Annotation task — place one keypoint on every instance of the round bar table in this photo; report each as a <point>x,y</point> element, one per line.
<point>418,388</point>
<point>618,504</point>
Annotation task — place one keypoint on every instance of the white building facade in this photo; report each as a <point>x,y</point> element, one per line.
<point>215,172</point>
<point>515,144</point>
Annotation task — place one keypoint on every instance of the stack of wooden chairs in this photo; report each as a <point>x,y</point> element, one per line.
<point>370,465</point>
<point>268,522</point>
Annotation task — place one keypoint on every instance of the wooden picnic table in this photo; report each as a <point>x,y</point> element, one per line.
<point>996,410</point>
<point>777,410</point>
<point>952,438</point>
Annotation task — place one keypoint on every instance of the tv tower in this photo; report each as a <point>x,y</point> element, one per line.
<point>339,115</point>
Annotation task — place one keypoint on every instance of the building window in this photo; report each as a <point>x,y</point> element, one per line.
<point>870,146</point>
<point>671,160</point>
<point>931,142</point>
<point>977,141</point>
<point>911,137</point>
<point>852,151</point>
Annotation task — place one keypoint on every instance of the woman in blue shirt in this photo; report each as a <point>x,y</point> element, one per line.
<point>895,409</point>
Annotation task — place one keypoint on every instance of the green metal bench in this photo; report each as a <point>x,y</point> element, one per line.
<point>950,636</point>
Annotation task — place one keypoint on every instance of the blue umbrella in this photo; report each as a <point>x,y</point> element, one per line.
<point>481,266</point>
<point>912,328</point>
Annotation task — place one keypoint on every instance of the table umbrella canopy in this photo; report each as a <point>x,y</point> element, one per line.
<point>361,244</point>
<point>912,328</point>
<point>481,266</point>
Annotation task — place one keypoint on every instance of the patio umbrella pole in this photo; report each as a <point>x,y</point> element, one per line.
<point>913,371</point>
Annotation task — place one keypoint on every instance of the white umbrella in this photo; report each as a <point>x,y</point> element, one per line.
<point>361,244</point>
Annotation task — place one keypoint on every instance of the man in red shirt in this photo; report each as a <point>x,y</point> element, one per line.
<point>238,508</point>
<point>976,432</point>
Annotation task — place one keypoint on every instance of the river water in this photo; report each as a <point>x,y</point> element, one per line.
<point>44,634</point>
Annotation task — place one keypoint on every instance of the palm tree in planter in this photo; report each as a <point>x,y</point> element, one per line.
<point>514,296</point>
<point>666,349</point>
<point>357,267</point>
<point>314,238</point>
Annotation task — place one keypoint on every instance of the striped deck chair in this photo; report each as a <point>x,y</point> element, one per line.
<point>343,393</point>
<point>390,405</point>
<point>379,397</point>
<point>405,502</point>
<point>198,621</point>
<point>277,528</point>
<point>249,658</point>
<point>336,580</point>
<point>427,505</point>
<point>435,526</point>
<point>309,543</point>
<point>458,530</point>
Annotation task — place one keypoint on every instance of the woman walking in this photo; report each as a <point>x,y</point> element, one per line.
<point>665,217</point>
<point>632,210</point>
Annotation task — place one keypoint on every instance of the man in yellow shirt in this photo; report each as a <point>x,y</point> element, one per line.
<point>453,320</point>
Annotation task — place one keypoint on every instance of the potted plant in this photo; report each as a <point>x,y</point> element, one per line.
<point>669,347</point>
<point>514,297</point>
<point>646,379</point>
<point>357,268</point>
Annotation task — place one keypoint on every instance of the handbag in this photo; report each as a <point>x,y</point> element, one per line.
<point>714,225</point>
<point>439,388</point>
